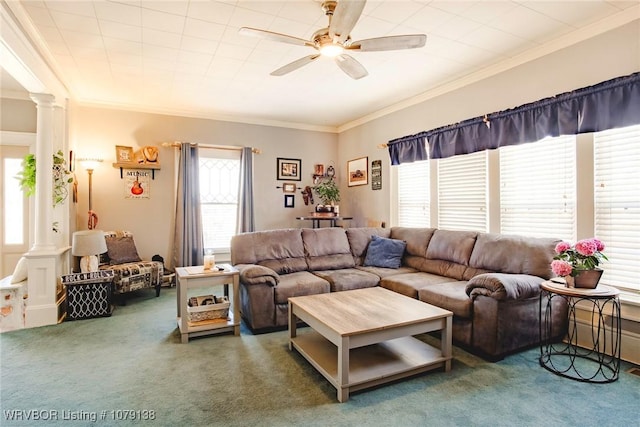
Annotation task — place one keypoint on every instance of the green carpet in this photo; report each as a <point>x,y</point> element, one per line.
<point>133,361</point>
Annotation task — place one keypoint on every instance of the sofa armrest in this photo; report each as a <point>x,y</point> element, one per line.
<point>253,274</point>
<point>502,286</point>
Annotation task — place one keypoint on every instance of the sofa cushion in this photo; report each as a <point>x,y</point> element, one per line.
<point>348,278</point>
<point>299,284</point>
<point>384,272</point>
<point>417,239</point>
<point>280,250</point>
<point>409,283</point>
<point>383,252</point>
<point>359,238</point>
<point>327,248</point>
<point>121,250</point>
<point>514,254</point>
<point>454,246</point>
<point>450,296</point>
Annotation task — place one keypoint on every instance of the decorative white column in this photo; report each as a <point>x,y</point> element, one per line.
<point>46,262</point>
<point>44,178</point>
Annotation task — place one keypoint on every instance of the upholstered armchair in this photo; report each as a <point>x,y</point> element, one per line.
<point>131,272</point>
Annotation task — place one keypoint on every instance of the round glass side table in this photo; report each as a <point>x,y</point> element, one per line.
<point>594,359</point>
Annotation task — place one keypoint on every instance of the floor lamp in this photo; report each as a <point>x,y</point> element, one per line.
<point>90,165</point>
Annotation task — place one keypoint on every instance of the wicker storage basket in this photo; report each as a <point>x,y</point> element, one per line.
<point>208,311</point>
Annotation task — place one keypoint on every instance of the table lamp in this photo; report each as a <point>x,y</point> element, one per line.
<point>88,244</point>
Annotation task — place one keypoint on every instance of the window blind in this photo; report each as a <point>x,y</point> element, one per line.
<point>414,194</point>
<point>538,188</point>
<point>462,192</point>
<point>617,204</point>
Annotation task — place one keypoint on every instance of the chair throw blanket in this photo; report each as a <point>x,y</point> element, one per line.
<point>258,274</point>
<point>504,286</point>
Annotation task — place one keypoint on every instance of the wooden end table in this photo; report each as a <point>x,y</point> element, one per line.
<point>198,277</point>
<point>364,337</point>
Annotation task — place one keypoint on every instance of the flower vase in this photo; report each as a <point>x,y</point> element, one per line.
<point>587,279</point>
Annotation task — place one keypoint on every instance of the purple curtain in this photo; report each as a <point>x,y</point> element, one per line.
<point>408,149</point>
<point>607,105</point>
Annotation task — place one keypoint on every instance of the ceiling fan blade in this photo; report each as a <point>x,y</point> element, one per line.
<point>295,65</point>
<point>276,37</point>
<point>410,41</point>
<point>345,18</point>
<point>353,68</point>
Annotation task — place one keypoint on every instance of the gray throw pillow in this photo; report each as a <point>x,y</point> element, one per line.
<point>383,252</point>
<point>121,250</point>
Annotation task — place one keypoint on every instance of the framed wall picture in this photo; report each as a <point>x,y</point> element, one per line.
<point>124,154</point>
<point>289,187</point>
<point>289,169</point>
<point>358,171</point>
<point>376,175</point>
<point>289,201</point>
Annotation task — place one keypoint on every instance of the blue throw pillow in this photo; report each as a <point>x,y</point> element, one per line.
<point>383,252</point>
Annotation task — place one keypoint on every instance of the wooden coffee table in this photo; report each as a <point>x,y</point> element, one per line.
<point>363,338</point>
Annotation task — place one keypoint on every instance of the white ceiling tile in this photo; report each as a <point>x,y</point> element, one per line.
<point>250,18</point>
<point>82,8</point>
<point>396,11</point>
<point>78,23</point>
<point>161,38</point>
<point>203,29</point>
<point>117,30</point>
<point>370,27</point>
<point>124,46</point>
<point>195,58</point>
<point>39,15</point>
<point>301,11</point>
<point>571,13</point>
<point>201,46</point>
<point>485,11</point>
<point>171,7</point>
<point>159,53</point>
<point>527,24</point>
<point>428,18</point>
<point>456,28</point>
<point>227,50</point>
<point>118,12</point>
<point>211,11</point>
<point>496,41</point>
<point>162,21</point>
<point>271,7</point>
<point>73,39</point>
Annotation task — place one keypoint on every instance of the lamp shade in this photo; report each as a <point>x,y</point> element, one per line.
<point>88,242</point>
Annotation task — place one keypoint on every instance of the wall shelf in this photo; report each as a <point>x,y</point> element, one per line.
<point>154,167</point>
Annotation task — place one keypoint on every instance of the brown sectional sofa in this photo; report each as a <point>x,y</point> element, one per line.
<point>489,281</point>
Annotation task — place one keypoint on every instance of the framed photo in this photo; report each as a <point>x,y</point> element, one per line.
<point>124,154</point>
<point>289,169</point>
<point>288,187</point>
<point>289,200</point>
<point>358,172</point>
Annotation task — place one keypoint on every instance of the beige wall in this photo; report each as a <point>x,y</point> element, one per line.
<point>95,132</point>
<point>612,54</point>
<point>17,115</point>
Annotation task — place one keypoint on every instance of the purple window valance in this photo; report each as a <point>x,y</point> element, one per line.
<point>607,105</point>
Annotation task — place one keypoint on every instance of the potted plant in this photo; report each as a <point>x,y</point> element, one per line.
<point>329,194</point>
<point>60,174</point>
<point>579,263</point>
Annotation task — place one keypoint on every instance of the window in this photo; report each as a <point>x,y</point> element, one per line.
<point>14,225</point>
<point>462,192</point>
<point>537,188</point>
<point>617,204</point>
<point>414,194</point>
<point>219,183</point>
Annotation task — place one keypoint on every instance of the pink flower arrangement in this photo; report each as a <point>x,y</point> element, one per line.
<point>586,254</point>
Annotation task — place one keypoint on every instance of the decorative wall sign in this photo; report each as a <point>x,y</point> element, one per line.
<point>376,175</point>
<point>137,184</point>
<point>288,187</point>
<point>289,169</point>
<point>358,171</point>
<point>289,200</point>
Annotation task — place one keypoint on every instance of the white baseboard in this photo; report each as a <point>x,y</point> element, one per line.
<point>630,341</point>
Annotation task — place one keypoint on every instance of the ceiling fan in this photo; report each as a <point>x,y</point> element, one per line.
<point>334,41</point>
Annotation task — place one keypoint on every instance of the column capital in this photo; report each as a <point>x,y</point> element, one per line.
<point>43,99</point>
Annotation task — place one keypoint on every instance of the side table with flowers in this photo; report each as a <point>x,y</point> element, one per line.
<point>578,264</point>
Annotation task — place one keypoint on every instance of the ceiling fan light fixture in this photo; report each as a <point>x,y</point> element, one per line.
<point>331,50</point>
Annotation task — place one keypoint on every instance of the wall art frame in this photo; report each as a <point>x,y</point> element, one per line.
<point>358,171</point>
<point>289,187</point>
<point>289,201</point>
<point>124,154</point>
<point>289,169</point>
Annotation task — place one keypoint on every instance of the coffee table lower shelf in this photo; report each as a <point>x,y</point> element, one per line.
<point>370,365</point>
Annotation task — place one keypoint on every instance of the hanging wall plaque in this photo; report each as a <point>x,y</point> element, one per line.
<point>376,175</point>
